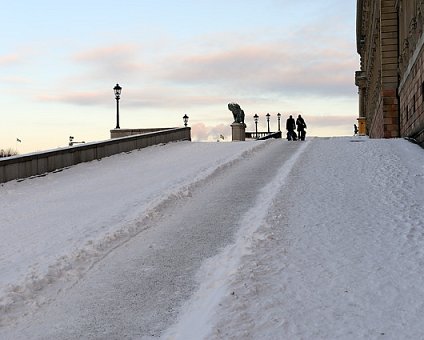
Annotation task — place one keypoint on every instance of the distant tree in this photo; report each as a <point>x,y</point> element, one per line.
<point>8,152</point>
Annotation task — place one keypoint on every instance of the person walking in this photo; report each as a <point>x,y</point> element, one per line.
<point>301,126</point>
<point>355,130</point>
<point>290,127</point>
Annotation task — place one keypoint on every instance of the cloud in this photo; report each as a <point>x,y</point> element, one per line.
<point>331,121</point>
<point>113,52</point>
<point>202,132</point>
<point>277,67</point>
<point>84,98</point>
<point>154,97</point>
<point>109,61</point>
<point>214,69</point>
<point>331,125</point>
<point>16,80</point>
<point>9,59</point>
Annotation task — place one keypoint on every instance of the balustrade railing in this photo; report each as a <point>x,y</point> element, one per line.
<point>263,135</point>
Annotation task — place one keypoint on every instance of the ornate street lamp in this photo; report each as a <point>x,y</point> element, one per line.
<point>185,119</point>
<point>256,118</point>
<point>117,89</point>
<point>279,118</point>
<point>267,119</point>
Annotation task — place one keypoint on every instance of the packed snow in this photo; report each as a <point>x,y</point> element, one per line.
<point>55,227</point>
<point>332,247</point>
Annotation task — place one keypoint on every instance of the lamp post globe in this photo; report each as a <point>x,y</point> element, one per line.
<point>267,119</point>
<point>117,90</point>
<point>185,119</point>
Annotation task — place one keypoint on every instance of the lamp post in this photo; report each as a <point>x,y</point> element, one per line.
<point>256,118</point>
<point>185,119</point>
<point>279,118</point>
<point>117,89</point>
<point>267,119</point>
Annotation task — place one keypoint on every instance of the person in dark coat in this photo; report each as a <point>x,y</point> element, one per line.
<point>290,127</point>
<point>301,126</point>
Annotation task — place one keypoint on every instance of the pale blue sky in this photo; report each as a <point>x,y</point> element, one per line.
<point>59,62</point>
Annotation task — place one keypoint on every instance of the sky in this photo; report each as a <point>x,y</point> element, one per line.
<point>59,62</point>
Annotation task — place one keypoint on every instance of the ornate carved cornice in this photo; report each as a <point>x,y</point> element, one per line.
<point>359,22</point>
<point>360,79</point>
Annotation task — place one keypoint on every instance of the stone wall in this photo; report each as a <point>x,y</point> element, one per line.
<point>412,101</point>
<point>117,133</point>
<point>43,162</point>
<point>411,69</point>
<point>375,122</point>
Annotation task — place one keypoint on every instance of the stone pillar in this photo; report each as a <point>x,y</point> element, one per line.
<point>238,131</point>
<point>389,71</point>
<point>360,81</point>
<point>362,126</point>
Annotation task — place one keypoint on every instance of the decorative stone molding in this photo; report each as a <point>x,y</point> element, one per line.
<point>360,79</point>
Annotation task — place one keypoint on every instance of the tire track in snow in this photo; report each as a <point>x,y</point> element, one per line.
<point>216,273</point>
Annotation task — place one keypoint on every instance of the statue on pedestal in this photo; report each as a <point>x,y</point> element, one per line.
<point>238,113</point>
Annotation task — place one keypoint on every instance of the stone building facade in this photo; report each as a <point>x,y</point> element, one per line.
<point>390,42</point>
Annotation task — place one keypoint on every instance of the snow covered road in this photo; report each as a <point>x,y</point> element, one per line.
<point>272,240</point>
<point>54,228</point>
<point>136,289</point>
<point>340,254</point>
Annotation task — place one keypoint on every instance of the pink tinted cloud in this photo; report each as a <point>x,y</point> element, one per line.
<point>107,61</point>
<point>160,97</point>
<point>9,59</point>
<point>276,66</point>
<point>211,73</point>
<point>173,97</point>
<point>106,52</point>
<point>202,132</point>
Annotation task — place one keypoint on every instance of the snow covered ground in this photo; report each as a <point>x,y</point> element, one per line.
<point>54,227</point>
<point>333,247</point>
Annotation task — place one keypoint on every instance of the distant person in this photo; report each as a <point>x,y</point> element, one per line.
<point>301,126</point>
<point>355,130</point>
<point>290,127</point>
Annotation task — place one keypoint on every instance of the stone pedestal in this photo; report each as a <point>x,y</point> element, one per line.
<point>238,131</point>
<point>362,126</point>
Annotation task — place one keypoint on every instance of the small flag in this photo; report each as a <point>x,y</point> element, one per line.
<point>18,140</point>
